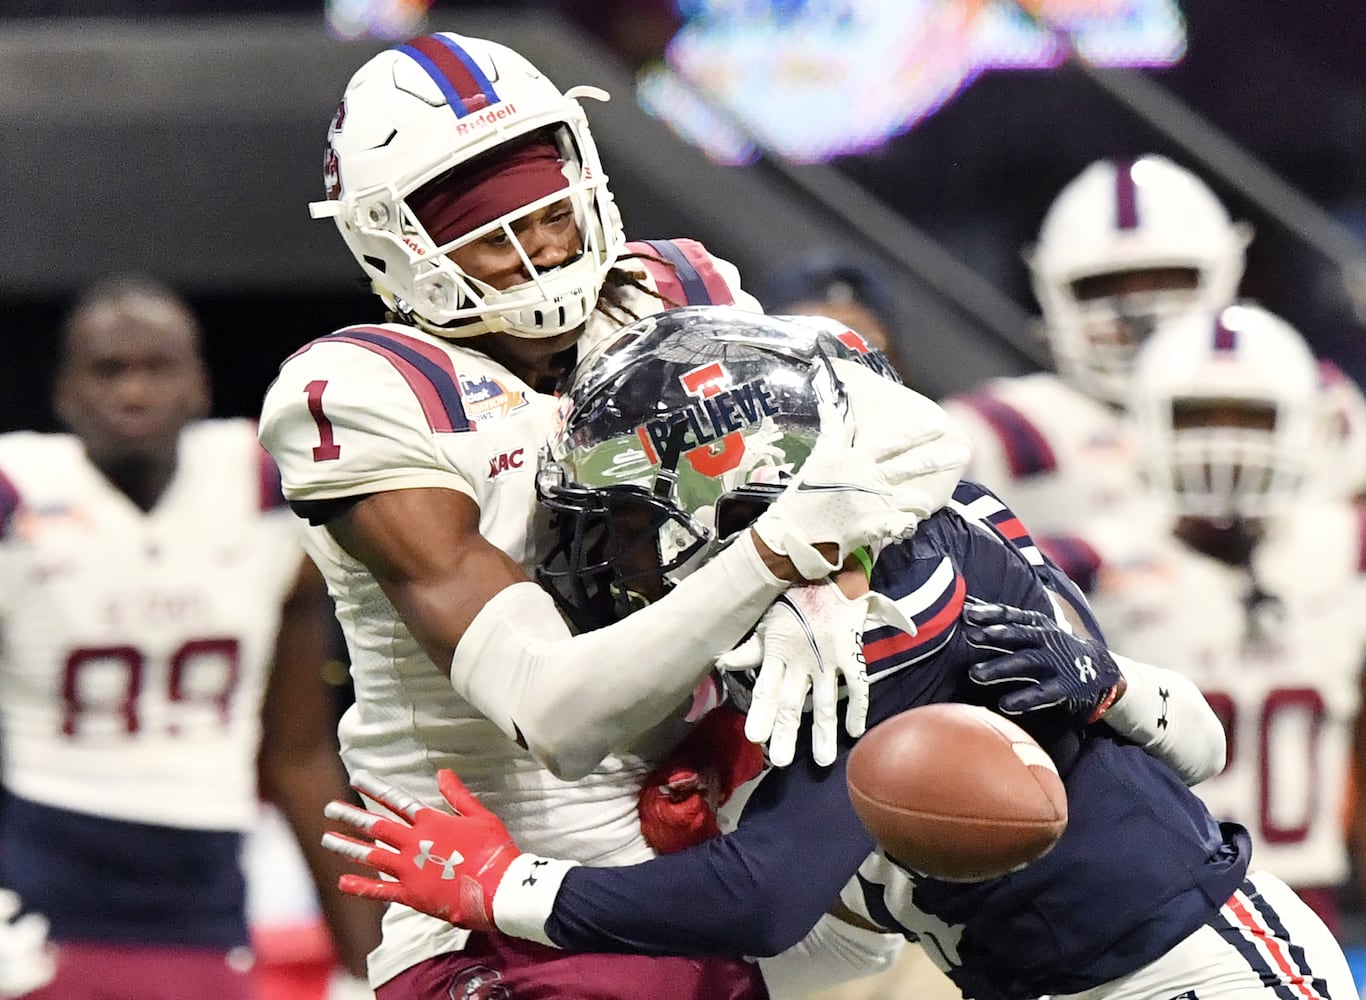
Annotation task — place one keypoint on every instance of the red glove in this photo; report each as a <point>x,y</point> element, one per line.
<point>679,800</point>
<point>445,865</point>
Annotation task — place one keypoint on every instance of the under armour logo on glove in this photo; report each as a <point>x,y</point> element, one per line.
<point>1037,663</point>
<point>458,887</point>
<point>424,854</point>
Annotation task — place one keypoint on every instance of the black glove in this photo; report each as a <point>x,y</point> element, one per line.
<point>1041,665</point>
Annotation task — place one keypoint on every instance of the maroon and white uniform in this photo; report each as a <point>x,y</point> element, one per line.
<point>133,660</point>
<point>1276,648</point>
<point>389,407</point>
<point>1056,455</point>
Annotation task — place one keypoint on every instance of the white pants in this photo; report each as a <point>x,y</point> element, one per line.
<point>1265,943</point>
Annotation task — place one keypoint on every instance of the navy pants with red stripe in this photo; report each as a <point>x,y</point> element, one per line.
<point>1265,943</point>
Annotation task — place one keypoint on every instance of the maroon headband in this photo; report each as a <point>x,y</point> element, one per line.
<point>494,185</point>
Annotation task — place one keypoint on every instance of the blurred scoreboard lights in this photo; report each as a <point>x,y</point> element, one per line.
<point>392,19</point>
<point>813,79</point>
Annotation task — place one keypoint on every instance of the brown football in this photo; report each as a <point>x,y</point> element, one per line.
<point>956,792</point>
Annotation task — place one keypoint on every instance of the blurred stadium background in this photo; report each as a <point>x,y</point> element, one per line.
<point>184,138</point>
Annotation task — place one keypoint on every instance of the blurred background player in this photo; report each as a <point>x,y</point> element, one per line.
<point>160,623</point>
<point>468,188</point>
<point>1125,244</point>
<point>1252,580</point>
<point>850,290</point>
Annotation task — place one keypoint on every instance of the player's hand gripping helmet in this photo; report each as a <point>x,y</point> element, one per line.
<point>1228,414</point>
<point>675,435</point>
<point>417,116</point>
<point>1123,246</point>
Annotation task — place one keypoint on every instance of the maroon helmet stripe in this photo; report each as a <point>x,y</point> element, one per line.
<point>473,91</point>
<point>1126,196</point>
<point>1224,338</point>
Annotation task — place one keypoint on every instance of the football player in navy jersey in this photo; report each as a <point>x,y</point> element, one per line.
<point>1143,896</point>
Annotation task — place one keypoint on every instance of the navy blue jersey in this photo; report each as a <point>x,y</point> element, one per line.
<point>1140,866</point>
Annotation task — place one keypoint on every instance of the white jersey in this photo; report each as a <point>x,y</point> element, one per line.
<point>135,646</point>
<point>390,407</point>
<point>1279,664</point>
<point>1055,455</point>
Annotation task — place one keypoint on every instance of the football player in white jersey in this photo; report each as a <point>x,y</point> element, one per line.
<point>1126,243</point>
<point>160,622</point>
<point>1253,585</point>
<point>468,188</point>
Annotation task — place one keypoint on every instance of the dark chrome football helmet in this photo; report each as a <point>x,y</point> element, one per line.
<point>674,435</point>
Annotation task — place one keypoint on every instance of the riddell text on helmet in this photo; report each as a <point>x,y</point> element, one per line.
<point>494,114</point>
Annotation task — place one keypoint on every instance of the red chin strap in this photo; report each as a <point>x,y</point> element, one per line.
<point>493,185</point>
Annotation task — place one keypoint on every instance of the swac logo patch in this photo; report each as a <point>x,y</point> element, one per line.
<point>486,398</point>
<point>506,460</point>
<point>478,982</point>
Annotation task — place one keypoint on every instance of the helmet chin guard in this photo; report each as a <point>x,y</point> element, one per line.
<point>414,113</point>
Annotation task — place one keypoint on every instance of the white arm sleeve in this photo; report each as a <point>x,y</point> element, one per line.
<point>1165,714</point>
<point>832,952</point>
<point>574,699</point>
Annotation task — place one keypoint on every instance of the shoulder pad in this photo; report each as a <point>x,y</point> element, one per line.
<point>689,278</point>
<point>1025,448</point>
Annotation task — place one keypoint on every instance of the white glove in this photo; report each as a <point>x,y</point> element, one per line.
<point>27,961</point>
<point>341,985</point>
<point>809,640</point>
<point>866,490</point>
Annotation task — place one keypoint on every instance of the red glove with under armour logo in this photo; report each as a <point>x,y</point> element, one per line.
<point>448,866</point>
<point>679,799</point>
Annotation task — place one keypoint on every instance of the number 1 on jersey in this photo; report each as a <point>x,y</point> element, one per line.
<point>327,448</point>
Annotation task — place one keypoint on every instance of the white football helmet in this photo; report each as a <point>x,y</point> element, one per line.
<point>1191,373</point>
<point>414,112</point>
<point>1119,217</point>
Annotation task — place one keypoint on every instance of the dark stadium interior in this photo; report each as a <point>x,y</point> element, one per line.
<point>976,177</point>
